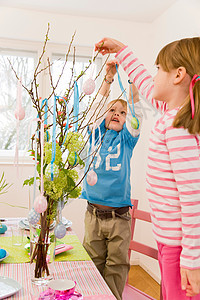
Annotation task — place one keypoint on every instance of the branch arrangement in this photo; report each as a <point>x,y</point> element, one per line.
<point>69,148</point>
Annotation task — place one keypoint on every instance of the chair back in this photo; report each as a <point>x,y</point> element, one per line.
<point>137,214</point>
<point>130,292</point>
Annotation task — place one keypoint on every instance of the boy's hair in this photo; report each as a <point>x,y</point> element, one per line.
<point>184,53</point>
<point>123,102</point>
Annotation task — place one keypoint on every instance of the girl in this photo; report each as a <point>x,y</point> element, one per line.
<point>173,173</point>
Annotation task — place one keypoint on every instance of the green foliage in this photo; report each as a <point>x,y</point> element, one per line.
<point>3,185</point>
<point>30,181</point>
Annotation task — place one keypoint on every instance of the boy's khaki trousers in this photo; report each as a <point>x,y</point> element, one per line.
<point>107,242</point>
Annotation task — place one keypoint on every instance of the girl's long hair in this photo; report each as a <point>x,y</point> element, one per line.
<point>184,53</point>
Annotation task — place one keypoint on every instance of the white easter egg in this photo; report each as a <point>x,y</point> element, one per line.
<point>91,178</point>
<point>60,231</point>
<point>89,86</point>
<point>40,204</point>
<point>33,216</point>
<point>20,114</point>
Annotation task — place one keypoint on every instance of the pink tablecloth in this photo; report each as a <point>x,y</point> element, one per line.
<point>89,281</point>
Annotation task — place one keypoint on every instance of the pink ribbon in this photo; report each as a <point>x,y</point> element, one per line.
<point>192,83</point>
<point>61,295</point>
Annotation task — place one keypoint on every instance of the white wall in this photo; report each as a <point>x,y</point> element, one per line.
<point>181,20</point>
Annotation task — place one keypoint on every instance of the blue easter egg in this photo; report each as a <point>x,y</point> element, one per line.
<point>60,231</point>
<point>3,228</point>
<point>2,253</point>
<point>33,217</point>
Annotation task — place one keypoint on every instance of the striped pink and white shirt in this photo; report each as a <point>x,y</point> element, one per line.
<point>173,173</point>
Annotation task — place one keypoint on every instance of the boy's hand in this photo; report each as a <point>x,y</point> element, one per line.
<point>111,68</point>
<point>108,45</point>
<point>190,281</point>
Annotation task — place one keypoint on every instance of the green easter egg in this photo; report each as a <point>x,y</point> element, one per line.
<point>134,123</point>
<point>72,158</point>
<point>48,171</point>
<point>46,136</point>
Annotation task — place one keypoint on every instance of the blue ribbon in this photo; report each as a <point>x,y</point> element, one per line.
<point>45,114</point>
<point>76,106</point>
<point>125,95</point>
<point>53,154</point>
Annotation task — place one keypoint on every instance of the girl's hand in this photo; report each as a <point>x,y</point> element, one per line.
<point>190,281</point>
<point>111,68</point>
<point>108,45</point>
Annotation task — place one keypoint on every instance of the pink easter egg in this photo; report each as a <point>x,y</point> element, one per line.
<point>20,114</point>
<point>40,204</point>
<point>89,86</point>
<point>91,178</point>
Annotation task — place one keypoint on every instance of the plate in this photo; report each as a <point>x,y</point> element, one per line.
<point>8,287</point>
<point>66,222</point>
<point>7,254</point>
<point>61,284</point>
<point>24,224</point>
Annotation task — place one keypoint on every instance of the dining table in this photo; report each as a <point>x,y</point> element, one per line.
<point>74,264</point>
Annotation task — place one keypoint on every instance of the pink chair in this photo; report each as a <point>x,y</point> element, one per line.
<point>130,292</point>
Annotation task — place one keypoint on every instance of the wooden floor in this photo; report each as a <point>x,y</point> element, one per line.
<point>144,282</point>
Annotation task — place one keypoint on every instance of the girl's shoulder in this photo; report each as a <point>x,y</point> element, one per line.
<point>169,115</point>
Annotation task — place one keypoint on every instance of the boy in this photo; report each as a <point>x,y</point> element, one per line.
<point>107,219</point>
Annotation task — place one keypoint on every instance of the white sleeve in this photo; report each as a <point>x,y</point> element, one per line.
<point>138,114</point>
<point>97,111</point>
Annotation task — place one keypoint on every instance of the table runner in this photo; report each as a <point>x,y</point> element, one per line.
<point>18,254</point>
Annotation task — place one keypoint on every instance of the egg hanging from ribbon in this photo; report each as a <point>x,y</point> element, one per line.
<point>40,204</point>
<point>60,231</point>
<point>33,217</point>
<point>89,86</point>
<point>72,158</point>
<point>135,123</point>
<point>91,178</point>
<point>48,171</point>
<point>20,113</point>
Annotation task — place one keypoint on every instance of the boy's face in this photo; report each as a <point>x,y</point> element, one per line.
<point>115,117</point>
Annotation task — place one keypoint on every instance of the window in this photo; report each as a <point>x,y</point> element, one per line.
<point>24,61</point>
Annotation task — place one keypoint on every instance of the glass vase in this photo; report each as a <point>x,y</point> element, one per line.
<point>42,254</point>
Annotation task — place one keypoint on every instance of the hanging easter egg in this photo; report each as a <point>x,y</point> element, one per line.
<point>135,123</point>
<point>72,158</point>
<point>20,113</point>
<point>60,231</point>
<point>3,228</point>
<point>3,253</point>
<point>48,171</point>
<point>89,86</point>
<point>40,204</point>
<point>46,136</point>
<point>91,178</point>
<point>33,217</point>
